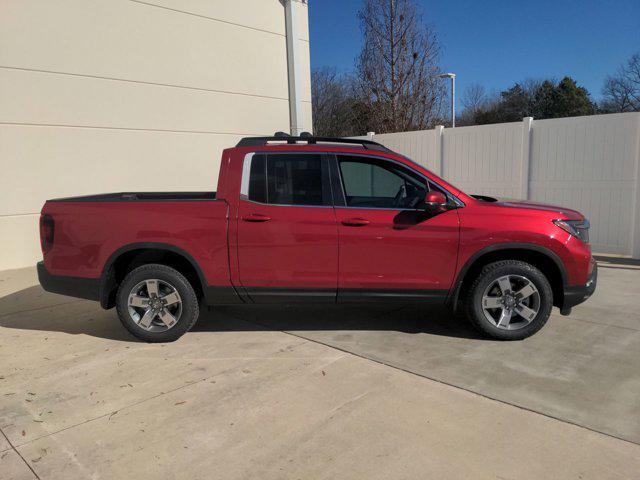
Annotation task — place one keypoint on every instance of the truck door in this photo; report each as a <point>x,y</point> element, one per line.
<point>390,248</point>
<point>287,232</point>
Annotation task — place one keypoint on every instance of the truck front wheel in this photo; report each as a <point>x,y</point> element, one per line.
<point>156,303</point>
<point>509,300</point>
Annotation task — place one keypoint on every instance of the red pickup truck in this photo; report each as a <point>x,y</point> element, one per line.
<point>311,219</point>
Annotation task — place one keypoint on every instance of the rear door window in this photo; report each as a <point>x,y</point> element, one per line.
<point>289,179</point>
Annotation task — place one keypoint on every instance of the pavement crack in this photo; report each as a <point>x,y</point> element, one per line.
<point>112,413</point>
<point>577,319</point>
<point>349,402</point>
<point>20,455</point>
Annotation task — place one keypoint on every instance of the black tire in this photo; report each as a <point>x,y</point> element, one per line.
<point>189,311</point>
<point>488,275</point>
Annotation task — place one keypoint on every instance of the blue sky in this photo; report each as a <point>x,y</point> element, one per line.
<point>497,43</point>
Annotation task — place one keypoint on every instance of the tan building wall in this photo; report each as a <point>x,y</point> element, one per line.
<point>116,95</point>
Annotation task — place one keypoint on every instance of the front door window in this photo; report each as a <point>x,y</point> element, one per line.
<point>372,183</point>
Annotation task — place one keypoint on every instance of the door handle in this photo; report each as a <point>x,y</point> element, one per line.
<point>356,222</point>
<point>256,217</point>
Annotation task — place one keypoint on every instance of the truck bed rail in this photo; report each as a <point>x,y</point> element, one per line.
<point>141,197</point>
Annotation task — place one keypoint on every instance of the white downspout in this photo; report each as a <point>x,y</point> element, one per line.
<point>292,12</point>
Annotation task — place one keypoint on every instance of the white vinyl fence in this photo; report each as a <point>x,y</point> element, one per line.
<point>591,164</point>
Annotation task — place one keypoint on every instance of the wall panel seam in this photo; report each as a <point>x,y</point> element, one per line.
<point>199,15</point>
<point>131,129</point>
<point>142,82</point>
<point>14,215</point>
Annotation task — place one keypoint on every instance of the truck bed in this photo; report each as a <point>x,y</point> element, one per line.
<point>90,229</point>
<point>141,196</point>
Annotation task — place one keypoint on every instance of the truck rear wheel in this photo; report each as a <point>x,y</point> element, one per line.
<point>157,303</point>
<point>509,300</point>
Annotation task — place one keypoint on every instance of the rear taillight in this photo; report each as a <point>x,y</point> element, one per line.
<point>46,232</point>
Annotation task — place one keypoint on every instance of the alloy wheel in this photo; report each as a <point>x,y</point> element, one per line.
<point>511,302</point>
<point>154,305</point>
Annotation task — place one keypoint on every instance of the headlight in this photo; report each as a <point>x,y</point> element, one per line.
<point>577,228</point>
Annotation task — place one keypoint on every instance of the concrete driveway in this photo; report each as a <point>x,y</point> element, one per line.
<point>349,392</point>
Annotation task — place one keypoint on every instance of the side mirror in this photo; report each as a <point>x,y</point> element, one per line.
<point>435,199</point>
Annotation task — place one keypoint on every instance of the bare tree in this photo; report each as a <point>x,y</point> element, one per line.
<point>396,67</point>
<point>327,94</point>
<point>622,91</point>
<point>336,110</point>
<point>474,100</point>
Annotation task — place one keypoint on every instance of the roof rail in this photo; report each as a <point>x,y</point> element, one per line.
<point>306,137</point>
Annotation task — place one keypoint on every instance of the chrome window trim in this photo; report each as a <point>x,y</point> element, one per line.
<point>246,172</point>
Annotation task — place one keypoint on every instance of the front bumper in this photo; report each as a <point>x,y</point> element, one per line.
<point>575,295</point>
<point>72,286</point>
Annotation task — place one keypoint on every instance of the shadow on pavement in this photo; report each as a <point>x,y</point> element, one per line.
<point>406,319</point>
<point>34,309</point>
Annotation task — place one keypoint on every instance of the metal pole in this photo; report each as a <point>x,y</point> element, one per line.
<point>452,76</point>
<point>453,101</point>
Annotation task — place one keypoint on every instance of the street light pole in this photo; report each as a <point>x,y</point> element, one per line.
<point>452,76</point>
<point>453,100</point>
